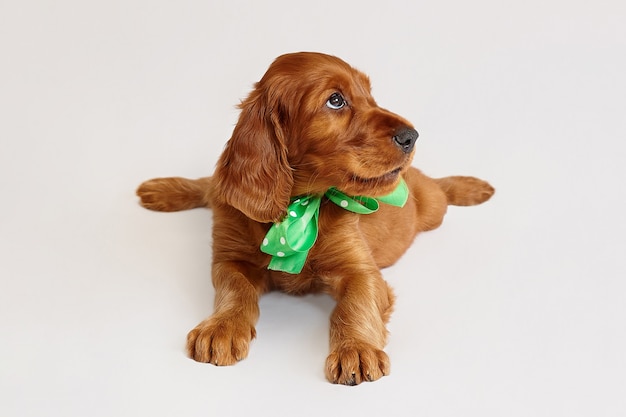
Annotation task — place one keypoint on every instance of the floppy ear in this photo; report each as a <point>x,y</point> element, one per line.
<point>253,174</point>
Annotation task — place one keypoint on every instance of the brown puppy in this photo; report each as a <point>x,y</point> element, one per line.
<point>311,124</point>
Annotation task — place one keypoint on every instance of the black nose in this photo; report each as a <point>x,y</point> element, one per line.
<point>405,138</point>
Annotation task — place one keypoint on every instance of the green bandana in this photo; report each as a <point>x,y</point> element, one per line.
<point>290,240</point>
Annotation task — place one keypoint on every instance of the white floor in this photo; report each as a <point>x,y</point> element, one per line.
<point>513,308</point>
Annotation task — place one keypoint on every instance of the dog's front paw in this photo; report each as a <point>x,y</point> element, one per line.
<point>220,341</point>
<point>352,365</point>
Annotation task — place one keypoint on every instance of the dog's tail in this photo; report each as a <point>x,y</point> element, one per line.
<point>175,193</point>
<point>465,191</point>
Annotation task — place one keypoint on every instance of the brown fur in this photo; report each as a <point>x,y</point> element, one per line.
<point>286,143</point>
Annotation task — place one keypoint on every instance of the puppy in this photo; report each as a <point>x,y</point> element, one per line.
<point>314,192</point>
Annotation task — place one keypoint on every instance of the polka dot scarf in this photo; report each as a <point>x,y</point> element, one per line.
<point>290,240</point>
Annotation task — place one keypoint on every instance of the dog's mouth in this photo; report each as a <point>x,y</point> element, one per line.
<point>387,178</point>
<point>373,186</point>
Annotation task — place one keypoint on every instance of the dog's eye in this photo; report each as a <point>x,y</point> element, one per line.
<point>336,101</point>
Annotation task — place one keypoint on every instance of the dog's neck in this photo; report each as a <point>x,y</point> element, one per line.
<point>290,240</point>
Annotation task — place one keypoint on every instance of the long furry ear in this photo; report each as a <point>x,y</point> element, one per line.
<point>253,174</point>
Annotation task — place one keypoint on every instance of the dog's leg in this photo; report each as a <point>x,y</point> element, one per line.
<point>431,197</point>
<point>357,325</point>
<point>465,191</point>
<point>175,193</point>
<point>224,338</point>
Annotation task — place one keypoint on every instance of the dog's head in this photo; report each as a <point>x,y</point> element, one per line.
<point>308,125</point>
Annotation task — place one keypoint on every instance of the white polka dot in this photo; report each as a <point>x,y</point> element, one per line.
<point>305,202</point>
<point>293,214</point>
<point>280,254</point>
<point>265,242</point>
<point>296,201</point>
<point>282,240</point>
<point>344,203</point>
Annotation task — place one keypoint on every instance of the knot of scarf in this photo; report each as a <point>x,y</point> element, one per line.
<point>290,240</point>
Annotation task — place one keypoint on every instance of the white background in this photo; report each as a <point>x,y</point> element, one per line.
<point>512,308</point>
